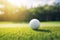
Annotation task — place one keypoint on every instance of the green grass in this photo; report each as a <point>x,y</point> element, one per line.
<point>22,31</point>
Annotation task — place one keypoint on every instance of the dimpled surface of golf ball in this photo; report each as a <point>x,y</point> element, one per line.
<point>34,23</point>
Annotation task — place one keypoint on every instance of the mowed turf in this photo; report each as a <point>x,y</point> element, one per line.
<point>22,31</point>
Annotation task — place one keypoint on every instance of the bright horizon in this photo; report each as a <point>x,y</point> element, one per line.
<point>26,3</point>
<point>30,3</point>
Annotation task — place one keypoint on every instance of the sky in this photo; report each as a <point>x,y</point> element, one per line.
<point>30,3</point>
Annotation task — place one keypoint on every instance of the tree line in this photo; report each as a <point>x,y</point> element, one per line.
<point>42,13</point>
<point>45,13</point>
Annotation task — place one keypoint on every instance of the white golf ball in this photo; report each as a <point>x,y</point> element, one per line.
<point>34,23</point>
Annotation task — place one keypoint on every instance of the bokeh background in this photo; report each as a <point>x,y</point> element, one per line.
<point>19,11</point>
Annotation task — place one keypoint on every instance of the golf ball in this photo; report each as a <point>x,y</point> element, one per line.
<point>34,23</point>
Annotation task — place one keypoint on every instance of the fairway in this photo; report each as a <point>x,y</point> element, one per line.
<point>22,31</point>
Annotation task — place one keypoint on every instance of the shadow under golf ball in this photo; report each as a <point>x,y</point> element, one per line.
<point>42,30</point>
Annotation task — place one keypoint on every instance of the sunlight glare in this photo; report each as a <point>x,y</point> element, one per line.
<point>15,2</point>
<point>19,3</point>
<point>1,12</point>
<point>30,3</point>
<point>2,6</point>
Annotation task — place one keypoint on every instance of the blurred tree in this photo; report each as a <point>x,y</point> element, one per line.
<point>43,13</point>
